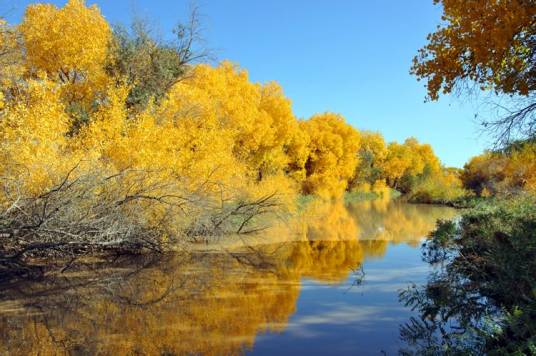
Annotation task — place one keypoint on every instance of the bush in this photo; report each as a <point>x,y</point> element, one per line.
<point>443,189</point>
<point>482,298</point>
<point>130,211</point>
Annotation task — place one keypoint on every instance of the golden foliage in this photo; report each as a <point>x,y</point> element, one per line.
<point>69,41</point>
<point>444,187</point>
<point>11,61</point>
<point>488,42</point>
<point>332,155</point>
<point>70,45</point>
<point>372,154</point>
<point>407,162</point>
<point>32,138</point>
<point>258,118</point>
<point>503,172</point>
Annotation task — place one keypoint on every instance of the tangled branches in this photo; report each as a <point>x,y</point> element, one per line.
<point>129,211</point>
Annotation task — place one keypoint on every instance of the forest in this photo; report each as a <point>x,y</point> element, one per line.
<point>114,140</point>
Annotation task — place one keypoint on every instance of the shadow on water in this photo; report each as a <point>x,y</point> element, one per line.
<point>204,302</point>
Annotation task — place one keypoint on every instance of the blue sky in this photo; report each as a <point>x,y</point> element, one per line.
<point>345,56</point>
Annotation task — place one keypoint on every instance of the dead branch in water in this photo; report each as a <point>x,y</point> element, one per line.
<point>130,211</point>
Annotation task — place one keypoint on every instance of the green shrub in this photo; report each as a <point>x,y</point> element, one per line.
<point>482,298</point>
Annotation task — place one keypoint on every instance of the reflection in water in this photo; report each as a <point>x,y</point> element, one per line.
<point>397,222</point>
<point>204,302</point>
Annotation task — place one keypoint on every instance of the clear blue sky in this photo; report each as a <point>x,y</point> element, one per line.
<point>345,56</point>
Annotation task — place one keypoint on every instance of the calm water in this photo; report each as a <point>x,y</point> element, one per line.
<point>330,289</point>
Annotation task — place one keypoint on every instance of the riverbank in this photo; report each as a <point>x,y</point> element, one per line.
<point>315,220</point>
<point>486,284</point>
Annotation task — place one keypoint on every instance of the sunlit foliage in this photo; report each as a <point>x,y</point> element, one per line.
<point>69,44</point>
<point>371,155</point>
<point>414,169</point>
<point>33,145</point>
<point>11,56</point>
<point>332,154</point>
<point>258,118</point>
<point>486,46</point>
<point>488,42</point>
<point>504,172</point>
<point>443,187</point>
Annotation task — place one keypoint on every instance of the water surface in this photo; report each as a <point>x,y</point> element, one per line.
<point>330,288</point>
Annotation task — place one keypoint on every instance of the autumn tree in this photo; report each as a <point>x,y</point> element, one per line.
<point>211,150</point>
<point>423,164</point>
<point>69,44</point>
<point>372,153</point>
<point>332,154</point>
<point>444,186</point>
<point>33,146</point>
<point>259,118</point>
<point>480,172</point>
<point>413,169</point>
<point>502,172</point>
<point>397,162</point>
<point>491,44</point>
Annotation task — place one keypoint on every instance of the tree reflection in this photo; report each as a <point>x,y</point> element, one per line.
<point>210,304</point>
<point>397,222</point>
<point>199,302</point>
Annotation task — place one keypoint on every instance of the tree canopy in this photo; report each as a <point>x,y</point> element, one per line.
<point>492,45</point>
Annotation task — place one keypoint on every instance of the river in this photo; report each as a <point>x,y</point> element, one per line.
<point>330,289</point>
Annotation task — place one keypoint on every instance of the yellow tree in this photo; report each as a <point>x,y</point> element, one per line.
<point>372,153</point>
<point>33,147</point>
<point>283,138</point>
<point>235,101</point>
<point>175,150</point>
<point>502,172</point>
<point>480,172</point>
<point>521,168</point>
<point>179,138</point>
<point>490,43</point>
<point>265,133</point>
<point>396,163</point>
<point>422,157</point>
<point>409,161</point>
<point>332,154</point>
<point>69,44</point>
